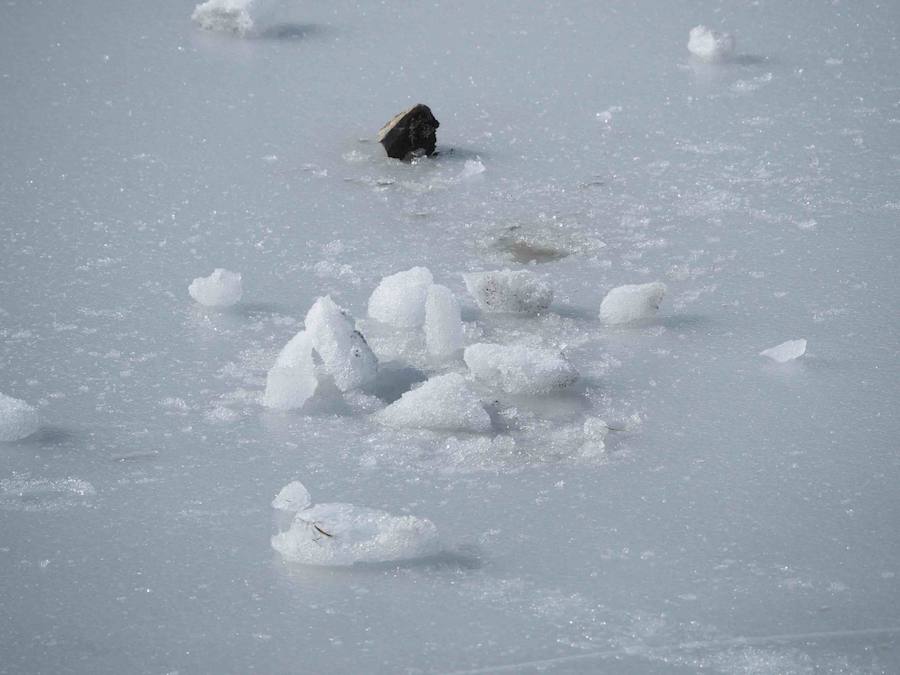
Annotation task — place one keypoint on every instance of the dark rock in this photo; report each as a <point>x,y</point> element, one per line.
<point>410,133</point>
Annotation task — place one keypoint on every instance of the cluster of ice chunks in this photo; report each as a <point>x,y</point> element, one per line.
<point>330,333</point>
<point>222,288</point>
<point>344,534</point>
<point>18,419</point>
<point>632,303</point>
<point>710,45</point>
<point>509,291</point>
<point>518,369</point>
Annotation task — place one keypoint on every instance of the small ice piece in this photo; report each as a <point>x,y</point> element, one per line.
<point>443,322</point>
<point>220,289</point>
<point>240,17</point>
<point>297,352</point>
<point>18,420</point>
<point>342,348</point>
<point>472,167</point>
<point>516,292</point>
<point>292,497</point>
<point>710,45</point>
<point>786,351</point>
<point>632,302</point>
<point>443,403</point>
<point>292,381</point>
<point>345,534</point>
<point>399,300</point>
<point>518,369</point>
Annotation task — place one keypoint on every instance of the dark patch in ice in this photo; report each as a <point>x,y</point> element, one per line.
<point>394,380</point>
<point>291,31</point>
<point>50,435</point>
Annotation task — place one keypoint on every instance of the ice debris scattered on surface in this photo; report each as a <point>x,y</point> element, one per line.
<point>515,292</point>
<point>632,302</point>
<point>18,420</point>
<point>443,322</point>
<point>518,369</point>
<point>399,300</point>
<point>786,351</point>
<point>220,289</point>
<point>709,45</point>
<point>345,534</point>
<point>240,17</point>
<point>292,380</point>
<point>443,403</point>
<point>343,349</point>
<point>292,497</point>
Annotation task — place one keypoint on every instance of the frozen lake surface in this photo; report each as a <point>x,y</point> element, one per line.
<point>741,516</point>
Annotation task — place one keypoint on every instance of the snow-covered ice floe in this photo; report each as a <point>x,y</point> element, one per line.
<point>18,420</point>
<point>220,289</point>
<point>345,534</point>
<point>786,351</point>
<point>443,403</point>
<point>444,333</point>
<point>514,292</point>
<point>632,302</point>
<point>710,45</point>
<point>343,349</point>
<point>240,17</point>
<point>399,300</point>
<point>518,369</point>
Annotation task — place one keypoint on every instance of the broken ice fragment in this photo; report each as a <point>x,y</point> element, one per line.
<point>220,289</point>
<point>515,292</point>
<point>709,45</point>
<point>443,403</point>
<point>18,420</point>
<point>632,302</point>
<point>520,370</point>
<point>786,351</point>
<point>399,300</point>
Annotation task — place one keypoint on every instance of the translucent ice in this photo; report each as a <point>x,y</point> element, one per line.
<point>517,292</point>
<point>17,419</point>
<point>342,348</point>
<point>710,45</point>
<point>344,534</point>
<point>444,403</point>
<point>786,351</point>
<point>518,369</point>
<point>292,497</point>
<point>220,289</point>
<point>241,17</point>
<point>399,300</point>
<point>443,323</point>
<point>633,302</point>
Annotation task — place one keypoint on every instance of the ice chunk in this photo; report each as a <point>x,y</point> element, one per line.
<point>292,380</point>
<point>344,534</point>
<point>443,322</point>
<point>399,300</point>
<point>710,45</point>
<point>786,351</point>
<point>297,352</point>
<point>444,403</point>
<point>241,17</point>
<point>472,167</point>
<point>633,302</point>
<point>342,348</point>
<point>517,292</point>
<point>17,419</point>
<point>292,497</point>
<point>518,369</point>
<point>220,289</point>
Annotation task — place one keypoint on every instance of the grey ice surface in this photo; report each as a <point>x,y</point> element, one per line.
<point>745,521</point>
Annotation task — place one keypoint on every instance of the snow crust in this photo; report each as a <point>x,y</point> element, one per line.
<point>786,351</point>
<point>222,288</point>
<point>710,45</point>
<point>399,300</point>
<point>443,403</point>
<point>518,369</point>
<point>344,351</point>
<point>18,419</point>
<point>509,291</point>
<point>444,332</point>
<point>344,534</point>
<point>632,302</point>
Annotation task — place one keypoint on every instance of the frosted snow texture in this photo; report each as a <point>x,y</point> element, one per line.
<point>443,322</point>
<point>344,534</point>
<point>399,300</point>
<point>17,419</point>
<point>518,369</point>
<point>343,349</point>
<point>220,289</point>
<point>710,45</point>
<point>514,292</point>
<point>240,17</point>
<point>443,403</point>
<point>786,351</point>
<point>632,302</point>
<point>292,497</point>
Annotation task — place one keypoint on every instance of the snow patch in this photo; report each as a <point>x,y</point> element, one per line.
<point>220,289</point>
